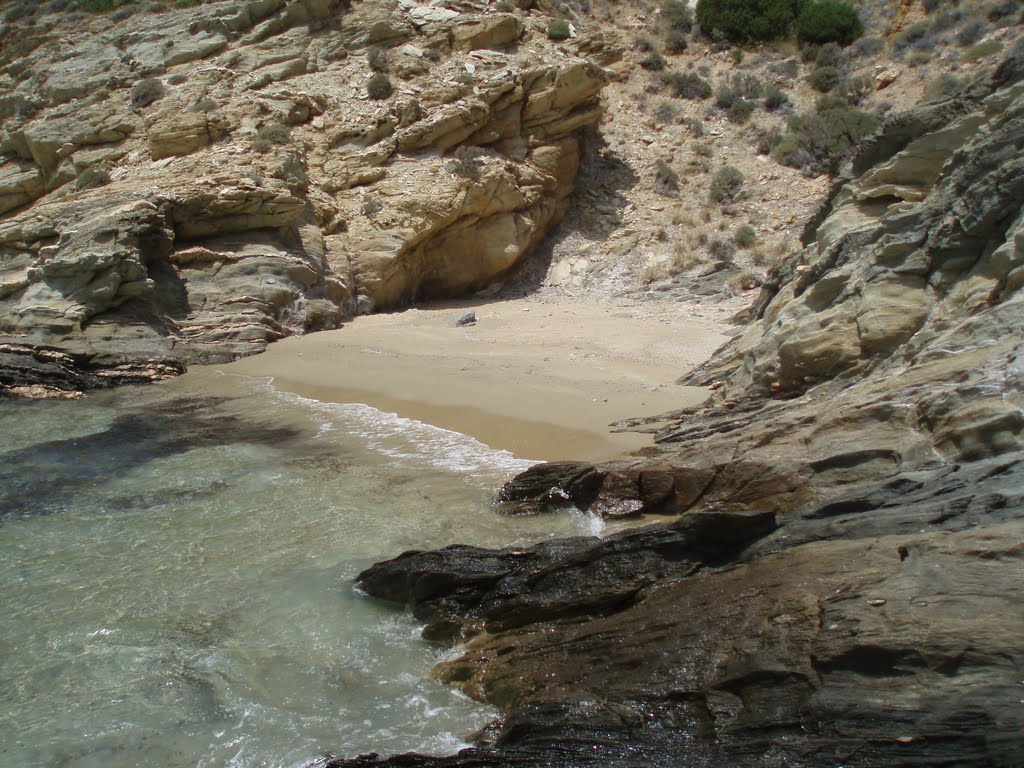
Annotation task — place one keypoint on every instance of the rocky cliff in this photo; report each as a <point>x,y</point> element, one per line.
<point>842,584</point>
<point>186,186</point>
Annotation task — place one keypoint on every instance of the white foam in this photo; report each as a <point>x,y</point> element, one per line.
<point>408,440</point>
<point>589,523</point>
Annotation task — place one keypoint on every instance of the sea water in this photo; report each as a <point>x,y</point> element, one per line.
<point>177,565</point>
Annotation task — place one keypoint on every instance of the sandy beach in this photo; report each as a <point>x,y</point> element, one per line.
<point>543,381</point>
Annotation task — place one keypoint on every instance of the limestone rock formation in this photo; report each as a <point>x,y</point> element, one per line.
<point>190,185</point>
<point>843,584</point>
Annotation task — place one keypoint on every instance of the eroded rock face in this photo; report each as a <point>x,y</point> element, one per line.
<point>873,412</point>
<point>191,185</point>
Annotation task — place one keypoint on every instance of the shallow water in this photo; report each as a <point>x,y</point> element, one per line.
<point>176,564</point>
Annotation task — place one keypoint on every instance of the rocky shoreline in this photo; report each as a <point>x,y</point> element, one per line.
<point>842,586</point>
<point>840,582</point>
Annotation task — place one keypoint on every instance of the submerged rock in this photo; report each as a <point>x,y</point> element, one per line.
<point>872,411</point>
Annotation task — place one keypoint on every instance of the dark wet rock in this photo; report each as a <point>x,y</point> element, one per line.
<point>865,650</point>
<point>550,485</point>
<point>873,408</point>
<point>468,589</point>
<point>42,371</point>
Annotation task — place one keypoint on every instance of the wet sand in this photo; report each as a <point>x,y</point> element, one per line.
<point>543,381</point>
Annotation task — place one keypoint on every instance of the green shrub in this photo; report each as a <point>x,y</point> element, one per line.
<point>866,46</point>
<point>145,92</point>
<point>666,113</point>
<point>666,181</point>
<point>726,184</point>
<point>970,33</point>
<point>378,87</point>
<point>745,20</point>
<point>271,134</point>
<point>703,150</point>
<point>824,79</point>
<point>910,35</point>
<point>18,12</point>
<point>981,50</point>
<point>745,236</point>
<point>676,41</point>
<point>371,206</point>
<point>1002,9</point>
<point>377,58</point>
<point>744,281</point>
<point>677,15</point>
<point>687,85</point>
<point>204,104</point>
<point>91,178</point>
<point>768,140</point>
<point>740,111</point>
<point>465,164</point>
<point>824,21</point>
<point>828,55</point>
<point>644,44</point>
<point>775,98</point>
<point>653,62</point>
<point>722,249</point>
<point>854,90</point>
<point>817,141</point>
<point>919,58</point>
<point>739,87</point>
<point>101,6</point>
<point>945,85</point>
<point>558,29</point>
<point>809,53</point>
<point>788,69</point>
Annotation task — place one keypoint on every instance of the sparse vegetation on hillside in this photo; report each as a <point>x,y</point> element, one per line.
<point>687,85</point>
<point>818,139</point>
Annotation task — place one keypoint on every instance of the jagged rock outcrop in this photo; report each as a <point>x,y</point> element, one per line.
<point>872,410</point>
<point>188,186</point>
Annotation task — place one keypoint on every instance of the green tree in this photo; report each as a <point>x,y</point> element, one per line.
<point>828,21</point>
<point>742,21</point>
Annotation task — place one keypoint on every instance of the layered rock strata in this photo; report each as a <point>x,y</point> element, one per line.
<point>842,584</point>
<point>191,185</point>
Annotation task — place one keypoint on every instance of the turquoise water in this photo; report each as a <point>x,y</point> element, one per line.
<point>176,564</point>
